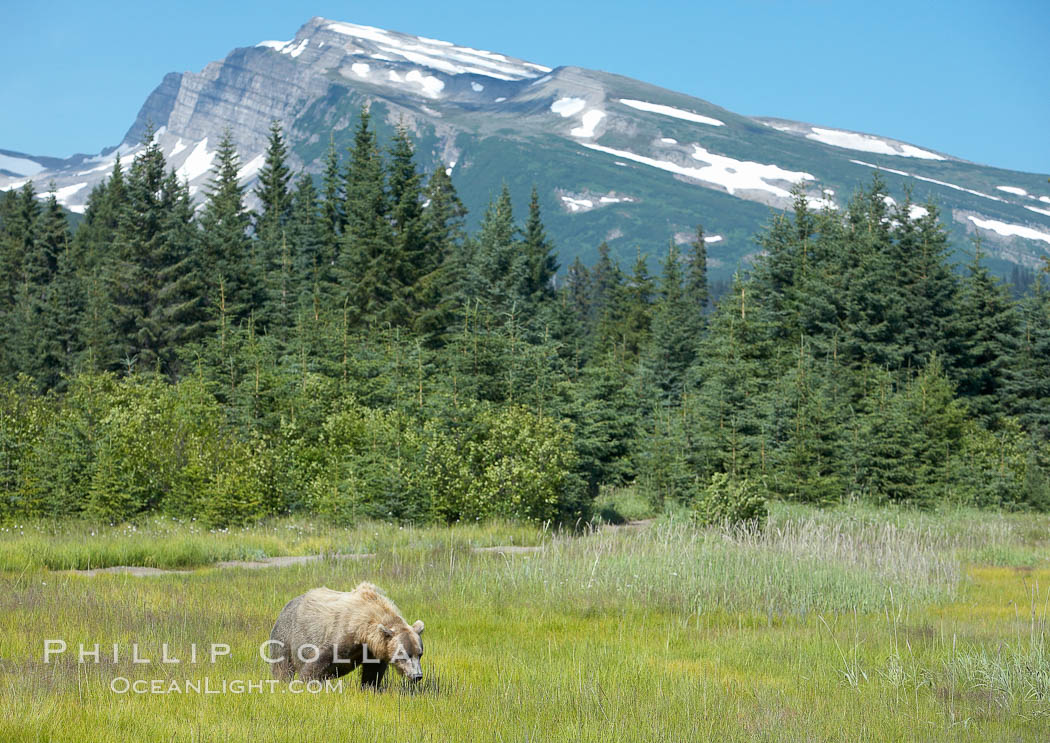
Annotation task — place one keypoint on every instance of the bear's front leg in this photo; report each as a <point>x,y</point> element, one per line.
<point>283,670</point>
<point>372,675</point>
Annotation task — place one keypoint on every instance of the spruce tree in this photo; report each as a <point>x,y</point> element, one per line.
<point>408,258</point>
<point>697,292</point>
<point>178,314</point>
<point>313,272</point>
<point>139,247</point>
<point>730,401</point>
<point>33,345</point>
<point>541,261</point>
<point>20,216</point>
<point>226,251</point>
<point>988,322</point>
<point>810,431</point>
<point>497,273</point>
<point>928,287</point>
<point>607,307</point>
<point>365,263</point>
<point>445,261</point>
<point>1027,386</point>
<point>95,240</point>
<point>333,206</point>
<point>636,301</point>
<point>672,347</point>
<point>271,234</point>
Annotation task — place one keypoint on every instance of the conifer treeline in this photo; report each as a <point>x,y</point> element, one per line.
<point>351,350</point>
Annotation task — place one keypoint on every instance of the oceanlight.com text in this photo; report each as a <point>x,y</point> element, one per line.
<point>207,685</point>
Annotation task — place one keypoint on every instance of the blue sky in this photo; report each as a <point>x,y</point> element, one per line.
<point>968,78</point>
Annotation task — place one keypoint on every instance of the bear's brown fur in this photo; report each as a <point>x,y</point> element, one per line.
<point>325,634</point>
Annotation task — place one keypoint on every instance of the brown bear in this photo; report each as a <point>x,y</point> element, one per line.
<point>326,634</point>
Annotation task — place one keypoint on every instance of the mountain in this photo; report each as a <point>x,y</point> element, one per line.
<point>614,159</point>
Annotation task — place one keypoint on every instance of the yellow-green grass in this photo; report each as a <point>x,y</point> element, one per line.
<point>168,543</point>
<point>853,624</point>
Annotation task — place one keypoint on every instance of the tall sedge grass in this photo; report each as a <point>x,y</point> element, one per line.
<point>795,567</point>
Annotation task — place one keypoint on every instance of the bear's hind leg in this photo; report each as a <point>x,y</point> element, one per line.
<point>317,670</point>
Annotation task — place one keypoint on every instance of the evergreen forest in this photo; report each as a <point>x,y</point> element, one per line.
<point>348,350</point>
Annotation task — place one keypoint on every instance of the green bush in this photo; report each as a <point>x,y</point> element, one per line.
<point>366,464</point>
<point>727,500</point>
<point>167,448</point>
<point>998,469</point>
<point>507,463</point>
<point>236,494</point>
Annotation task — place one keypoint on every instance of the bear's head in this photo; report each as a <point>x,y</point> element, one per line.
<point>405,648</point>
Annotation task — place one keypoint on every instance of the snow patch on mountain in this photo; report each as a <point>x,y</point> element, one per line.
<point>668,140</point>
<point>62,196</point>
<point>360,69</point>
<point>1009,230</point>
<point>742,174</point>
<point>197,163</point>
<point>179,147</point>
<point>575,203</point>
<point>868,143</point>
<point>20,165</point>
<point>732,175</point>
<point>676,113</point>
<point>928,180</point>
<point>431,85</point>
<point>687,238</point>
<point>277,45</point>
<point>568,106</point>
<point>125,151</point>
<point>435,42</point>
<point>295,51</point>
<point>914,210</point>
<point>1013,190</point>
<point>477,87</point>
<point>108,165</point>
<point>590,121</point>
<point>1037,210</point>
<point>252,167</point>
<point>440,55</point>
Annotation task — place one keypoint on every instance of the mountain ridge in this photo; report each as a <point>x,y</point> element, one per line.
<point>614,158</point>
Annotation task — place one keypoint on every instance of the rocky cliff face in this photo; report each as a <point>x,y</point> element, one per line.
<point>613,158</point>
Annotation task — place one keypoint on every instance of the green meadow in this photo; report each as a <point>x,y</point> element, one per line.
<point>842,624</point>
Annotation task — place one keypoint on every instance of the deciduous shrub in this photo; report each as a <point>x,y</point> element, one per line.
<point>505,462</point>
<point>728,500</point>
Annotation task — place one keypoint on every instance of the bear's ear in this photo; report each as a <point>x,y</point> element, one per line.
<point>418,626</point>
<point>387,632</point>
